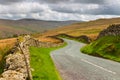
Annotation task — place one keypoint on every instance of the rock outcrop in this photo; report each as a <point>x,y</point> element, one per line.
<point>111,30</point>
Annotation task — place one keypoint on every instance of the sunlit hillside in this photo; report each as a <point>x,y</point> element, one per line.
<point>91,28</point>
<point>9,28</point>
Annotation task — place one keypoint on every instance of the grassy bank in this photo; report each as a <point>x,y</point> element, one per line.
<point>106,47</point>
<point>42,64</point>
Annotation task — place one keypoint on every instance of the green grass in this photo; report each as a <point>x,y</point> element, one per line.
<point>41,62</point>
<point>106,47</point>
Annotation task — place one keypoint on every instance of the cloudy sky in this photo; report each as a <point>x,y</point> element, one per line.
<point>59,9</point>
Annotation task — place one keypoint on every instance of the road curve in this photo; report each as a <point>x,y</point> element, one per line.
<point>74,65</point>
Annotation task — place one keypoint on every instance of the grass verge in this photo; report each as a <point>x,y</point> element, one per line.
<point>106,47</point>
<point>42,64</point>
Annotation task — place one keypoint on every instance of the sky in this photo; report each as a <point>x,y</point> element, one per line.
<point>60,10</point>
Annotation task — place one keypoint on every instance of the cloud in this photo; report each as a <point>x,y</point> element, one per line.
<point>112,9</point>
<point>54,1</point>
<point>24,7</point>
<point>75,8</point>
<point>74,1</point>
<point>88,9</point>
<point>7,2</point>
<point>59,9</point>
<point>91,1</point>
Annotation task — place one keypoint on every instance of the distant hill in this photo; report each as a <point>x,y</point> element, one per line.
<point>25,26</point>
<point>90,28</point>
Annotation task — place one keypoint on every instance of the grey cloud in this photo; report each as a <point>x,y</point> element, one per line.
<point>8,2</point>
<point>58,9</point>
<point>105,10</point>
<point>110,9</point>
<point>91,1</point>
<point>55,1</point>
<point>74,1</point>
<point>23,8</point>
<point>82,9</point>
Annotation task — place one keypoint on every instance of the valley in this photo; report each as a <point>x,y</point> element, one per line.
<point>13,28</point>
<point>82,50</point>
<point>59,40</point>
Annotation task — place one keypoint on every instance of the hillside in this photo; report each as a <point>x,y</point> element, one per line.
<point>107,45</point>
<point>90,28</point>
<point>25,26</point>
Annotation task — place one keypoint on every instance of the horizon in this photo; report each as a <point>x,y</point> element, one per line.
<point>59,20</point>
<point>37,19</point>
<point>59,10</point>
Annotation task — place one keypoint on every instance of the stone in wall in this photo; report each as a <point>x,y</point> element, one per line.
<point>15,67</point>
<point>12,75</point>
<point>111,30</point>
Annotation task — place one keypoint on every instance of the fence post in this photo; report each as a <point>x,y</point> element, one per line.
<point>27,63</point>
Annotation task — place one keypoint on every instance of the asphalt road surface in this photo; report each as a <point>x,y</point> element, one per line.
<point>74,65</point>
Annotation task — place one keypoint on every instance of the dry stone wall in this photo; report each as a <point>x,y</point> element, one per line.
<point>111,30</point>
<point>37,43</point>
<point>17,65</point>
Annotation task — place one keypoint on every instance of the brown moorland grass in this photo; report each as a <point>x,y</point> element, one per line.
<point>49,39</point>
<point>5,45</point>
<point>91,28</point>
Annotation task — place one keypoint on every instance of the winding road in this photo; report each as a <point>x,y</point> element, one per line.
<point>74,65</point>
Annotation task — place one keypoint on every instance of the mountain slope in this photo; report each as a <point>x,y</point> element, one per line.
<point>23,26</point>
<point>91,28</point>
